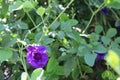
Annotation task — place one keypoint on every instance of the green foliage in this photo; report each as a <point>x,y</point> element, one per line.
<point>111,32</point>
<point>108,75</point>
<point>20,25</point>
<point>37,74</point>
<point>113,3</point>
<point>5,54</point>
<point>90,58</point>
<point>17,6</point>
<point>73,31</point>
<point>106,40</point>
<point>98,29</point>
<point>113,60</point>
<point>24,76</point>
<point>26,7</point>
<point>40,11</point>
<point>4,9</point>
<point>100,49</point>
<point>52,64</point>
<point>69,65</point>
<point>67,25</point>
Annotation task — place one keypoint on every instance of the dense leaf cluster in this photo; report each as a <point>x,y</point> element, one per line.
<point>75,33</point>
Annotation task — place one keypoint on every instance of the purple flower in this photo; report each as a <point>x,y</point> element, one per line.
<point>36,56</point>
<point>118,27</point>
<point>104,11</point>
<point>100,56</point>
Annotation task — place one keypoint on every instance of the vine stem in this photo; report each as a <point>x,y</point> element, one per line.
<point>31,19</point>
<point>61,13</point>
<point>23,60</point>
<point>115,14</point>
<point>93,14</point>
<point>81,75</point>
<point>36,26</point>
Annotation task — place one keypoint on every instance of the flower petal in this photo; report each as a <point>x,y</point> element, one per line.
<point>39,60</point>
<point>41,49</point>
<point>30,48</point>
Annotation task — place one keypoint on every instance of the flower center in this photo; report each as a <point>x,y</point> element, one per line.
<point>37,56</point>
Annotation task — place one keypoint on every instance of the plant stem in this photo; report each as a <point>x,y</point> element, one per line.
<point>81,75</point>
<point>88,6</point>
<point>93,14</point>
<point>61,13</point>
<point>23,60</point>
<point>34,28</point>
<point>88,24</point>
<point>31,19</point>
<point>115,14</point>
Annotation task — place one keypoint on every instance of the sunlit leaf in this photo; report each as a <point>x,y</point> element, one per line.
<point>113,60</point>
<point>17,6</point>
<point>24,76</point>
<point>41,11</point>
<point>5,54</point>
<point>37,74</point>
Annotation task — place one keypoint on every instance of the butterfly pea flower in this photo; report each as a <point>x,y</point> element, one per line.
<point>104,11</point>
<point>36,56</point>
<point>118,26</point>
<point>100,56</point>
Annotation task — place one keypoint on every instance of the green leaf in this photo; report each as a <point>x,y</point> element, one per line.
<point>113,60</point>
<point>90,58</point>
<point>80,50</point>
<point>61,34</point>
<point>2,27</point>
<point>98,29</point>
<point>67,26</point>
<point>4,9</point>
<point>47,40</point>
<point>108,74</point>
<point>17,6</point>
<point>37,74</point>
<point>53,77</point>
<point>117,40</point>
<point>52,64</point>
<point>2,75</point>
<point>113,4</point>
<point>59,70</point>
<point>86,68</point>
<point>55,25</point>
<point>75,73</point>
<point>24,76</point>
<point>11,42</point>
<point>64,17</point>
<point>73,22</point>
<point>100,49</point>
<point>114,45</point>
<point>105,40</point>
<point>111,32</point>
<point>40,11</point>
<point>69,64</point>
<point>75,35</point>
<point>94,37</point>
<point>5,54</point>
<point>21,25</point>
<point>38,36</point>
<point>26,7</point>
